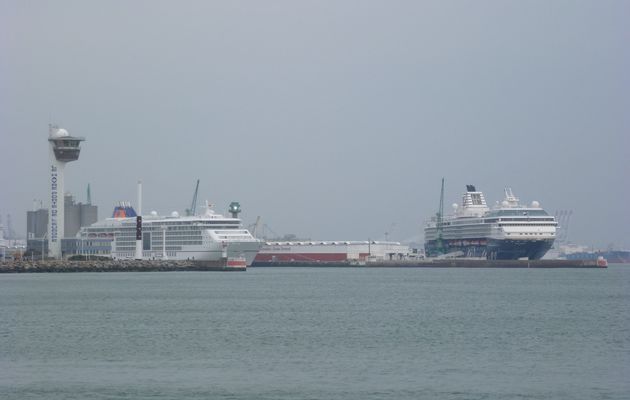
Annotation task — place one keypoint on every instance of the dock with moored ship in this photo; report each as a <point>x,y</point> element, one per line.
<point>449,263</point>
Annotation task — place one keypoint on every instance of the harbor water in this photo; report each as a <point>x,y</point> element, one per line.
<point>308,333</point>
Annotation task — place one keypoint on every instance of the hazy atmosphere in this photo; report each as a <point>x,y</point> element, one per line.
<point>329,119</point>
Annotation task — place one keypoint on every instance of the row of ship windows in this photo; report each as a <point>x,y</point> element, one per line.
<point>155,235</point>
<point>132,233</point>
<point>132,254</point>
<point>462,225</point>
<point>172,243</point>
<point>477,221</point>
<point>529,233</point>
<point>521,219</point>
<point>159,244</point>
<point>91,243</point>
<point>527,224</point>
<point>129,248</point>
<point>233,237</point>
<point>175,237</point>
<point>170,226</point>
<point>89,251</point>
<point>469,229</point>
<point>485,228</point>
<point>157,241</point>
<point>193,223</point>
<point>158,227</point>
<point>195,228</point>
<point>169,233</point>
<point>466,232</point>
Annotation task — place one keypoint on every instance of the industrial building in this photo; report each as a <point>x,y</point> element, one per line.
<point>278,253</point>
<point>76,215</point>
<point>36,223</point>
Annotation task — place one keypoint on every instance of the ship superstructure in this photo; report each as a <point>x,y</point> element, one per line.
<point>506,232</point>
<point>209,236</point>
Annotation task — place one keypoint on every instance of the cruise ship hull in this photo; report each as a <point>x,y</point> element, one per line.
<point>515,249</point>
<point>493,249</point>
<point>214,252</point>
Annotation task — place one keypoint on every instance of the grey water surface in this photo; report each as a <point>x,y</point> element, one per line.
<point>308,333</point>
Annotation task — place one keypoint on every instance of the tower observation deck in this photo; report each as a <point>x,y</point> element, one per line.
<point>65,147</point>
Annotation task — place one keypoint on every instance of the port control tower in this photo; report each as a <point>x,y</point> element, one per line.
<point>63,149</point>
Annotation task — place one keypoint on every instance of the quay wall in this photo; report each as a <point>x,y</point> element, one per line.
<point>443,263</point>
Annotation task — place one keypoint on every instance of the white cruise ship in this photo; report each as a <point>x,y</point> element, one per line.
<point>507,232</point>
<point>206,237</point>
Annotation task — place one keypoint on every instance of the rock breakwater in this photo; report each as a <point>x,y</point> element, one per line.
<point>24,266</point>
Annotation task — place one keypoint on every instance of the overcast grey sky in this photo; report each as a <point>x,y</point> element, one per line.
<point>330,119</point>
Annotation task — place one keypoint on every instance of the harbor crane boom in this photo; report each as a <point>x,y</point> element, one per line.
<point>439,222</point>
<point>193,206</point>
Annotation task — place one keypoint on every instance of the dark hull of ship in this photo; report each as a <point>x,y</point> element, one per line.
<point>492,249</point>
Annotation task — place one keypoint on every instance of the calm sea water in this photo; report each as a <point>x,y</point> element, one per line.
<point>300,333</point>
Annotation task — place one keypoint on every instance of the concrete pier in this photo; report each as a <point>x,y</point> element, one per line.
<point>444,263</point>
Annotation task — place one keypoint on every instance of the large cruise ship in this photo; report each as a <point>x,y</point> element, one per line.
<point>205,237</point>
<point>508,231</point>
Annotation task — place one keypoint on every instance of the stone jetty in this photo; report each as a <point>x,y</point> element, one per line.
<point>23,266</point>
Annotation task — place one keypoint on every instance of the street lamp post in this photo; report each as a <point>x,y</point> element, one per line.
<point>163,242</point>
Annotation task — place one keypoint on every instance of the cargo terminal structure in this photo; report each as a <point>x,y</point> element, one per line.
<point>313,252</point>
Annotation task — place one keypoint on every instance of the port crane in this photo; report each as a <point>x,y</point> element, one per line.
<point>255,227</point>
<point>439,247</point>
<point>193,206</point>
<point>563,217</point>
<point>389,231</point>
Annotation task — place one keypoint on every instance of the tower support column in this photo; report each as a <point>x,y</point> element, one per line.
<point>56,213</point>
